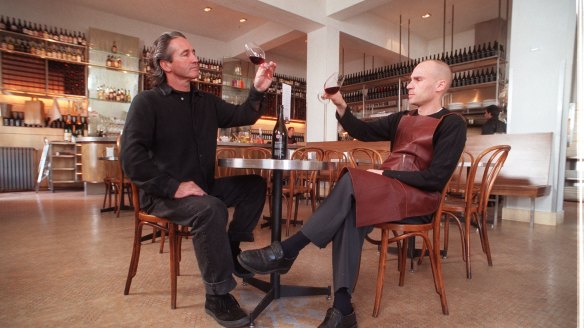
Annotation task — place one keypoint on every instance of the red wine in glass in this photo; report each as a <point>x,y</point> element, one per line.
<point>256,60</point>
<point>332,85</point>
<point>255,53</point>
<point>332,90</point>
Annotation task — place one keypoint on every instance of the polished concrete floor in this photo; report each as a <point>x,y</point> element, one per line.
<point>64,264</point>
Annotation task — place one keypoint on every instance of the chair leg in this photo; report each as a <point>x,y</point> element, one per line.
<point>162,239</point>
<point>178,249</point>
<point>289,213</point>
<point>467,244</point>
<point>173,261</point>
<point>118,198</point>
<point>446,235</point>
<point>295,212</point>
<point>436,265</point>
<point>485,238</point>
<point>107,192</point>
<point>381,271</point>
<point>135,256</point>
<point>423,251</point>
<point>402,262</point>
<point>116,191</point>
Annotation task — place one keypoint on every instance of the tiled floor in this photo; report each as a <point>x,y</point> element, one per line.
<point>64,264</point>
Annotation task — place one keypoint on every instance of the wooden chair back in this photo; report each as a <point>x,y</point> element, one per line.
<point>340,160</point>
<point>481,178</point>
<point>458,181</point>
<point>224,152</point>
<point>258,153</point>
<point>365,158</point>
<point>301,182</point>
<point>493,159</point>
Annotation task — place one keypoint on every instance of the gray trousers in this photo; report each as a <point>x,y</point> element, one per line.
<point>334,220</point>
<point>207,218</point>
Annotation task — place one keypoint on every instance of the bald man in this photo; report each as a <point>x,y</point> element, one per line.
<point>426,144</point>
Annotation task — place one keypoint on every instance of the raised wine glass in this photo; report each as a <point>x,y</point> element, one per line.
<point>332,85</point>
<point>255,53</point>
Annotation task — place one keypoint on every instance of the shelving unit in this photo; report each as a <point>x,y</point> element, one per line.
<point>298,97</point>
<point>33,66</point>
<point>65,164</point>
<point>377,97</point>
<point>237,78</point>
<point>78,163</point>
<point>103,79</point>
<point>210,76</point>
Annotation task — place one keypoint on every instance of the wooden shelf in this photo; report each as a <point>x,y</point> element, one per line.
<point>28,74</point>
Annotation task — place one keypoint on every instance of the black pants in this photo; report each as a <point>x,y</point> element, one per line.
<point>335,221</point>
<point>207,218</point>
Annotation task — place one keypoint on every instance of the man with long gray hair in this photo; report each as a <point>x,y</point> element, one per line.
<point>168,150</point>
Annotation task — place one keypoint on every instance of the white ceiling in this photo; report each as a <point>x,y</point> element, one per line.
<point>223,24</point>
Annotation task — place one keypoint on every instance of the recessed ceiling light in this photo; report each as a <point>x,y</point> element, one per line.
<point>426,15</point>
<point>208,9</point>
<point>243,20</point>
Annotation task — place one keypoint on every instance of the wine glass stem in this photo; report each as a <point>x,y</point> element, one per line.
<point>325,115</point>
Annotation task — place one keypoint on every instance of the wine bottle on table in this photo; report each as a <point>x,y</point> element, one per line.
<point>280,137</point>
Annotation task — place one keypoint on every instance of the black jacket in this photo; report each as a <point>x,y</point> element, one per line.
<point>171,137</point>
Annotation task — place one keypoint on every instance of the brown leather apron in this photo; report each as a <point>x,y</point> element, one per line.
<point>383,199</point>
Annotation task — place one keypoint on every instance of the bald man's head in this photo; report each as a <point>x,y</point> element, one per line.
<point>429,81</point>
<point>439,71</point>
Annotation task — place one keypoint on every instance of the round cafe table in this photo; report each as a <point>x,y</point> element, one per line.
<point>273,289</point>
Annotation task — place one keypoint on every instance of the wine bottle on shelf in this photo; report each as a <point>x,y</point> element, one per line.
<point>280,137</point>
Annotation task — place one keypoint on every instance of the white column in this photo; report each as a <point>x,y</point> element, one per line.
<point>540,82</point>
<point>322,60</point>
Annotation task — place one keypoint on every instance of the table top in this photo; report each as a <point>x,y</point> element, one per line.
<point>273,164</point>
<point>108,158</point>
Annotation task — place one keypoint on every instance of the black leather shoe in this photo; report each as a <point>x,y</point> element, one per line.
<point>240,271</point>
<point>335,319</point>
<point>226,311</point>
<point>266,260</point>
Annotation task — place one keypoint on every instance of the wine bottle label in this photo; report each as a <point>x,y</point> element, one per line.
<point>278,152</point>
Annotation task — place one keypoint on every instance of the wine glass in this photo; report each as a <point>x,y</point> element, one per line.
<point>332,85</point>
<point>255,53</point>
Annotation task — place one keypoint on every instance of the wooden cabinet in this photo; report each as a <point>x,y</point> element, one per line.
<point>64,164</point>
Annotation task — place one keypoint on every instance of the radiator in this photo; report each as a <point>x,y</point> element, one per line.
<point>17,169</point>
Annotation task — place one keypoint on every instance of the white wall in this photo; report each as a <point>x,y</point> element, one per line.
<point>461,40</point>
<point>540,74</point>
